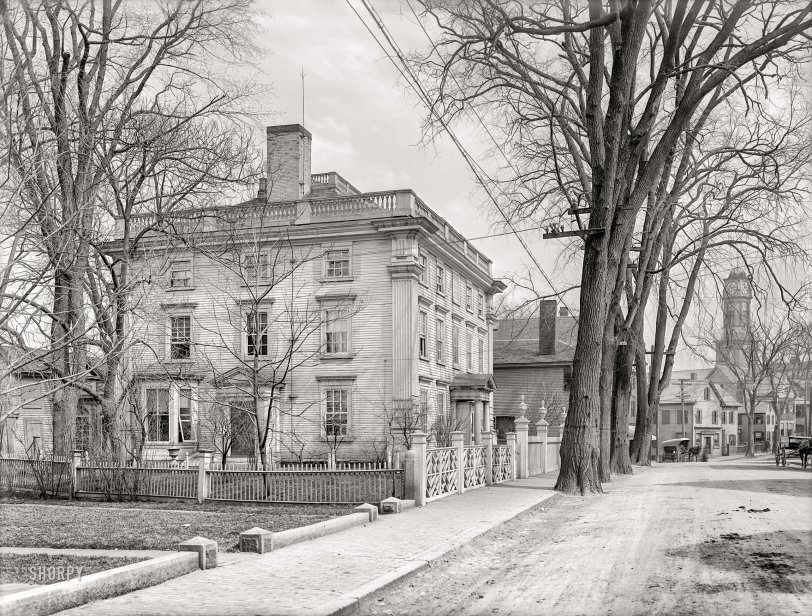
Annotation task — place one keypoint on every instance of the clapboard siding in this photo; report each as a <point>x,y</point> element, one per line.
<point>213,304</point>
<point>537,383</point>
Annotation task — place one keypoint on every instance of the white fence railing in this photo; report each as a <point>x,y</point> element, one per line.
<point>442,472</point>
<point>47,476</point>
<point>361,483</point>
<point>474,467</point>
<point>321,486</point>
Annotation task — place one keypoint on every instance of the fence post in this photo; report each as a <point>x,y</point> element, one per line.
<point>487,441</point>
<point>522,449</point>
<point>204,461</point>
<point>75,461</point>
<point>419,468</point>
<point>541,430</point>
<point>458,441</point>
<point>511,442</point>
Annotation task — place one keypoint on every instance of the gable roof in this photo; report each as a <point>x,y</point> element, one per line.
<point>694,391</point>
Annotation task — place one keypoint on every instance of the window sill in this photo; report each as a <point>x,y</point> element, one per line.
<point>440,363</point>
<point>423,358</point>
<point>180,289</point>
<point>328,356</point>
<point>179,361</point>
<point>337,279</point>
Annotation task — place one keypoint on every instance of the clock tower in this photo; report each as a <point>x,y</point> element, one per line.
<point>737,295</point>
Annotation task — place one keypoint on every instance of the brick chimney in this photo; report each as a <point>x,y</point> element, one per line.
<point>548,310</point>
<point>288,162</point>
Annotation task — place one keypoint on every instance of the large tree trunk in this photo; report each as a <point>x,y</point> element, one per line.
<point>607,386</point>
<point>641,444</point>
<point>620,462</point>
<point>580,455</point>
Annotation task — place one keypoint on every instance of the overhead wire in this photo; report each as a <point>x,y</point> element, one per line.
<point>477,169</point>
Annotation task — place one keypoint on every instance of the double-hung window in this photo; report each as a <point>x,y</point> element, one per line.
<point>185,424</point>
<point>255,268</point>
<point>698,417</point>
<point>714,417</point>
<point>424,409</point>
<point>469,298</point>
<point>422,342</point>
<point>180,337</point>
<point>242,429</point>
<point>480,304</point>
<point>440,342</point>
<point>336,331</point>
<point>469,351</point>
<point>424,273</point>
<point>180,274</point>
<point>481,355</point>
<point>337,263</point>
<point>440,279</point>
<point>666,416</point>
<point>455,345</point>
<point>441,403</point>
<point>256,333</point>
<point>157,414</point>
<point>454,294</point>
<point>336,412</point>
<point>169,416</point>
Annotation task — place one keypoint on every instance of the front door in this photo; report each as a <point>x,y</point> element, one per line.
<point>707,447</point>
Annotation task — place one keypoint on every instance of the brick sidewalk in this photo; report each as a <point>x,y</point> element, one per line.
<point>329,574</point>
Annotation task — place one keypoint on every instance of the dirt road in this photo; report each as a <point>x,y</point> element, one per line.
<point>727,537</point>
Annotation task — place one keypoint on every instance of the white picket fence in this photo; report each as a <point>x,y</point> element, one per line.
<point>352,482</point>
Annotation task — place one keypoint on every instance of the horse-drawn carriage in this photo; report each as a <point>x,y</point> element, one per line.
<point>675,449</point>
<point>800,446</point>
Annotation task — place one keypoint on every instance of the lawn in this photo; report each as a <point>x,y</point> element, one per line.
<point>145,526</point>
<point>46,569</point>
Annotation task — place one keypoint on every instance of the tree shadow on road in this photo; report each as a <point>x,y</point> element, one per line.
<point>761,559</point>
<point>790,468</point>
<point>786,487</point>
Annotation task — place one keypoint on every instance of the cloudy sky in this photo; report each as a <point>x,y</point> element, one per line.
<point>366,123</point>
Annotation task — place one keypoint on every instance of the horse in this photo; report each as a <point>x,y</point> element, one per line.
<point>805,451</point>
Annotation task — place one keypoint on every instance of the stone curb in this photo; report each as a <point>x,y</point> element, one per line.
<point>103,585</point>
<point>87,552</point>
<point>291,536</point>
<point>348,603</point>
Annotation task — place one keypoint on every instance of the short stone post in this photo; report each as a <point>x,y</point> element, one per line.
<point>206,551</point>
<point>522,448</point>
<point>487,441</point>
<point>418,468</point>
<point>458,441</point>
<point>541,431</point>
<point>511,442</point>
<point>75,462</point>
<point>203,464</point>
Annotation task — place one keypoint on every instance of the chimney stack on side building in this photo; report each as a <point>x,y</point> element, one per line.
<point>548,310</point>
<point>288,162</point>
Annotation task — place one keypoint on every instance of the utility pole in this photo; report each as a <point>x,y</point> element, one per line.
<point>682,399</point>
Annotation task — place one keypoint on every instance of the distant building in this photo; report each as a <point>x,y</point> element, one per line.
<point>532,357</point>
<point>694,406</point>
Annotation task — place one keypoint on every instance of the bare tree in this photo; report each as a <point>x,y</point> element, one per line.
<point>756,353</point>
<point>597,103</point>
<point>99,101</point>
